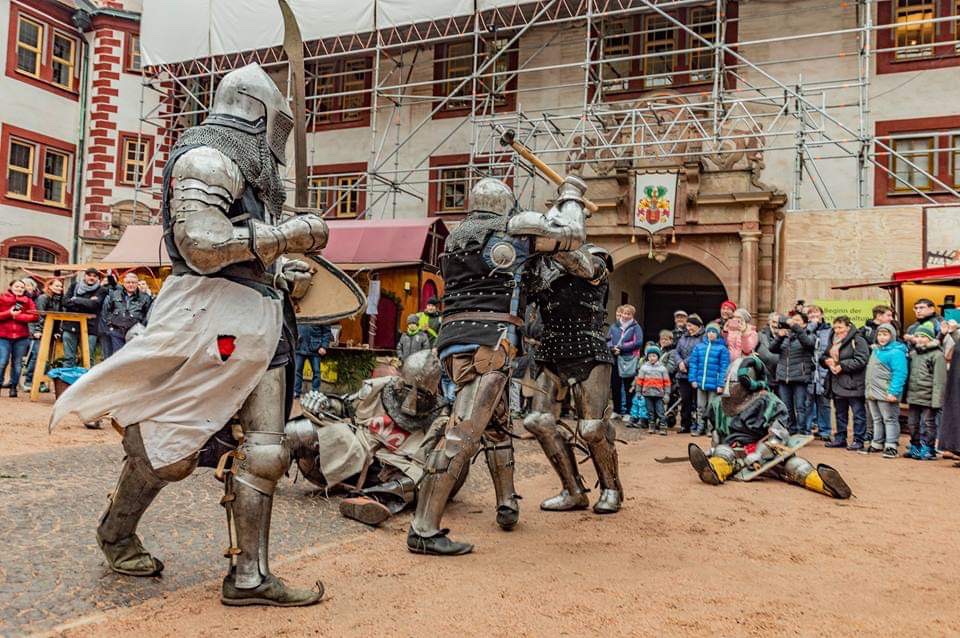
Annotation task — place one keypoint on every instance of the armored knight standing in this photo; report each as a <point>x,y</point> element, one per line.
<point>574,360</point>
<point>486,265</point>
<point>751,438</point>
<point>219,342</point>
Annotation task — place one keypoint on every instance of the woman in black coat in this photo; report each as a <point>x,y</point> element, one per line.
<point>950,418</point>
<point>846,359</point>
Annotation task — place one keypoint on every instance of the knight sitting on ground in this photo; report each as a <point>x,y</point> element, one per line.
<point>751,438</point>
<point>375,442</point>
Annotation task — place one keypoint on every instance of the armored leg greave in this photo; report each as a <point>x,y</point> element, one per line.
<point>560,453</point>
<point>598,434</point>
<point>472,411</point>
<point>260,461</point>
<point>823,478</point>
<point>138,485</point>
<point>499,456</point>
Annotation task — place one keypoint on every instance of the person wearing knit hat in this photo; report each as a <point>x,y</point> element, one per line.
<point>753,441</point>
<point>413,340</point>
<point>707,369</point>
<point>886,377</point>
<point>727,308</point>
<point>926,389</point>
<point>653,387</point>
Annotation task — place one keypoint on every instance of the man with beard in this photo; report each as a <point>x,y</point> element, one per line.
<point>752,439</point>
<point>488,265</point>
<point>574,359</point>
<point>220,341</point>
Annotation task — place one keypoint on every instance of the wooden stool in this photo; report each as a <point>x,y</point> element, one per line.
<point>46,338</point>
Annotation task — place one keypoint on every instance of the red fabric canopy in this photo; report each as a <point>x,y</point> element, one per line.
<point>381,241</point>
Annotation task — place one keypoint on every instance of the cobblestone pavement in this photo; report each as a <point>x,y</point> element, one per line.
<point>51,570</point>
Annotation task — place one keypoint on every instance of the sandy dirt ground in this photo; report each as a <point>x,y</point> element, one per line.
<point>681,559</point>
<point>23,427</point>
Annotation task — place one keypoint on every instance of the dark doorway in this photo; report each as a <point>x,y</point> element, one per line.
<point>661,300</point>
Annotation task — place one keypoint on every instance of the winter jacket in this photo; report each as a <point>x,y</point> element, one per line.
<point>429,324</point>
<point>796,355</point>
<point>928,376</point>
<point>122,311</point>
<point>886,371</point>
<point>684,350</point>
<point>869,332</point>
<point>632,338</point>
<point>47,303</point>
<point>16,326</point>
<point>854,354</point>
<point>312,337</point>
<point>770,359</point>
<point>818,380</point>
<point>638,408</point>
<point>708,364</point>
<point>670,360</point>
<point>653,380</point>
<point>741,342</point>
<point>89,303</point>
<point>410,343</point>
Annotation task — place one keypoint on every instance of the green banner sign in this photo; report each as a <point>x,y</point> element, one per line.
<point>859,311</point>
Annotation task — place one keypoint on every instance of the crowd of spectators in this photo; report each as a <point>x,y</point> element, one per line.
<point>853,387</point>
<point>113,309</point>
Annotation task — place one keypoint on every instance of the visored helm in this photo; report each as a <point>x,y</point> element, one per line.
<point>491,195</point>
<point>421,376</point>
<point>602,253</point>
<point>746,380</point>
<point>248,100</point>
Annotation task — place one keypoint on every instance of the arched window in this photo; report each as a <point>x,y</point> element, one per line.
<point>35,249</point>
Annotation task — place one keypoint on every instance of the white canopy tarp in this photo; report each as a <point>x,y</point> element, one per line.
<point>178,30</point>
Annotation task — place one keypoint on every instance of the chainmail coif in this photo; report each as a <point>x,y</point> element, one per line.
<point>251,154</point>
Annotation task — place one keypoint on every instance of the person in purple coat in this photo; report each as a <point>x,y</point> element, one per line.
<point>624,339</point>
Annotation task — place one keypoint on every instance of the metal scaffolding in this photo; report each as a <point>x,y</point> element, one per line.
<point>634,97</point>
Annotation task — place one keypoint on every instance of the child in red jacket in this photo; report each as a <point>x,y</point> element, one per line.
<point>653,384</point>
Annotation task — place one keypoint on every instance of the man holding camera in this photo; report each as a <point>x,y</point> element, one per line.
<point>795,346</point>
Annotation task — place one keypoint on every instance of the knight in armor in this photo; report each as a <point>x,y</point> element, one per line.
<point>490,262</point>
<point>752,439</point>
<point>575,362</point>
<point>375,441</point>
<point>220,341</point>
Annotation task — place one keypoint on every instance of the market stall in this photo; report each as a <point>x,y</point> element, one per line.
<point>940,284</point>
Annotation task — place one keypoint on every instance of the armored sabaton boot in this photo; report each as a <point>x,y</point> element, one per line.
<point>822,479</point>
<point>259,462</point>
<point>598,434</point>
<point>713,469</point>
<point>560,454</point>
<point>443,466</point>
<point>138,485</point>
<point>499,456</point>
<point>376,504</point>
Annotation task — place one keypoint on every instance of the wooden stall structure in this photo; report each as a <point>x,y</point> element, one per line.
<point>939,284</point>
<point>404,256</point>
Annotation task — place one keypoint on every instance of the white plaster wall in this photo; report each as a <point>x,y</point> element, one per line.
<point>32,108</point>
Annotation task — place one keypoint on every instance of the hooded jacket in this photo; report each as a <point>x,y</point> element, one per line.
<point>708,364</point>
<point>928,376</point>
<point>887,367</point>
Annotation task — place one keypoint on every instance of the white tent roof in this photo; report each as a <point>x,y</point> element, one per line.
<point>179,30</point>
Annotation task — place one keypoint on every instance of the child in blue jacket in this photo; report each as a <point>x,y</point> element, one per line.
<point>708,370</point>
<point>885,380</point>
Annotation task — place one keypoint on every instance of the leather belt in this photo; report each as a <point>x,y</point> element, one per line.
<point>498,317</point>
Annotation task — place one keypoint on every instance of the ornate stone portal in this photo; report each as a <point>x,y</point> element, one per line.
<point>725,217</point>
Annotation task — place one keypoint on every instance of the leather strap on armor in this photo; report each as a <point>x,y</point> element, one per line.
<point>485,316</point>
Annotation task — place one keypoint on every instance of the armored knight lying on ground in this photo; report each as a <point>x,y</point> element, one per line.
<point>752,440</point>
<point>374,442</point>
